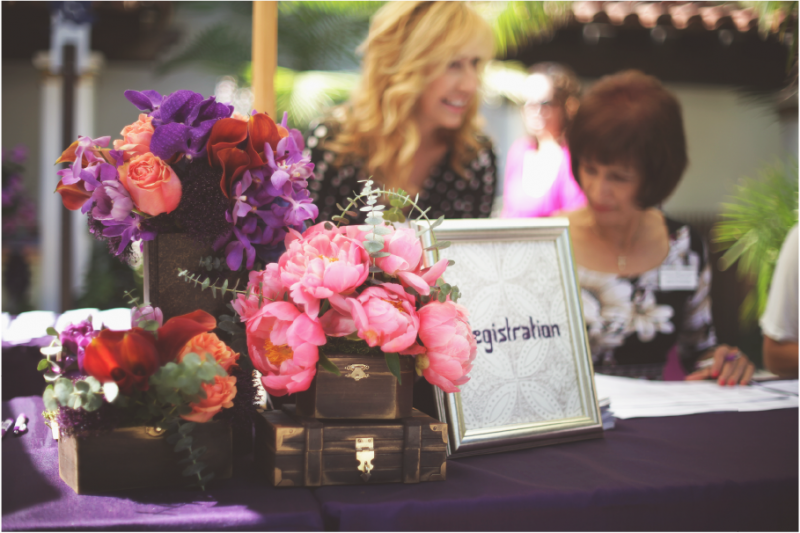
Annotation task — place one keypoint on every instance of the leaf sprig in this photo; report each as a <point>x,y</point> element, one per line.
<point>206,283</point>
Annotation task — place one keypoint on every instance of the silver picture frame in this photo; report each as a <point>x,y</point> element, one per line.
<point>532,382</point>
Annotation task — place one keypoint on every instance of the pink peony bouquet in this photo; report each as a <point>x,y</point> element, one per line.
<point>189,165</point>
<point>364,284</point>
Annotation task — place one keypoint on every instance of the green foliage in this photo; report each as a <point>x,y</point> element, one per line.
<point>107,279</point>
<point>179,436</point>
<point>393,362</point>
<point>180,383</point>
<point>779,18</point>
<point>328,365</point>
<point>754,225</point>
<point>516,24</point>
<point>206,283</point>
<point>86,394</point>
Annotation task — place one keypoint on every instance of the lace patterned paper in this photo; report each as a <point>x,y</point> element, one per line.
<point>514,290</point>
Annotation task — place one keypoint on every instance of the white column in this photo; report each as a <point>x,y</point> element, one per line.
<point>49,202</point>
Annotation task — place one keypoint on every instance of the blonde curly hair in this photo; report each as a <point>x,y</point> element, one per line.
<point>409,45</point>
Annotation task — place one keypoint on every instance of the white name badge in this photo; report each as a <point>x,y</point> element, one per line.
<point>677,277</point>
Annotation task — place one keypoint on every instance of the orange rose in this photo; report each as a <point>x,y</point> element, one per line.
<point>219,395</point>
<point>209,344</point>
<point>152,184</point>
<point>136,137</point>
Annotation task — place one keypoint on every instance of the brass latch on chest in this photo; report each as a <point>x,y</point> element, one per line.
<point>357,371</point>
<point>365,453</point>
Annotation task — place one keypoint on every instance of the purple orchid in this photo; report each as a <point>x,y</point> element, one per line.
<point>182,120</point>
<point>112,202</point>
<point>75,338</point>
<point>129,229</point>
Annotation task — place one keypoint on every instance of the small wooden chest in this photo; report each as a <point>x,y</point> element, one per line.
<point>297,451</point>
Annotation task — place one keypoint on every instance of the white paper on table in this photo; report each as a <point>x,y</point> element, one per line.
<point>118,319</point>
<point>28,326</point>
<point>634,398</point>
<point>786,386</point>
<point>6,320</point>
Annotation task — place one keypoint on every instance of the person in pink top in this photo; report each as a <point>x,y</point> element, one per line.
<point>538,175</point>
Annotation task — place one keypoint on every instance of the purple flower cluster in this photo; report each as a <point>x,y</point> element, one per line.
<point>110,203</point>
<point>182,120</point>
<point>74,339</point>
<point>267,200</point>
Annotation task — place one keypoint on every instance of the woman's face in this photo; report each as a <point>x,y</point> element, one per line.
<point>444,102</point>
<point>541,113</point>
<point>610,190</point>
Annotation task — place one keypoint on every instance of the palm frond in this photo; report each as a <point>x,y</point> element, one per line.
<point>307,95</point>
<point>754,223</point>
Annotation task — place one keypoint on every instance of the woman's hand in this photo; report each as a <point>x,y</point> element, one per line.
<point>726,364</point>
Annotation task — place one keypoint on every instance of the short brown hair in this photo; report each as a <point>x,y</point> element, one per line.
<point>630,118</point>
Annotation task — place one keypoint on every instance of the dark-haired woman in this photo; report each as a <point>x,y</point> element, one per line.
<point>644,278</point>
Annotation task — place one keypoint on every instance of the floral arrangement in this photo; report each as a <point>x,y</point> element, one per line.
<point>339,287</point>
<point>167,375</point>
<point>189,165</point>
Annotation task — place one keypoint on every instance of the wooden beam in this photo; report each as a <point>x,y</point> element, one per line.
<point>265,56</point>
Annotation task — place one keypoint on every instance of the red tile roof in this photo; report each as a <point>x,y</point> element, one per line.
<point>681,15</point>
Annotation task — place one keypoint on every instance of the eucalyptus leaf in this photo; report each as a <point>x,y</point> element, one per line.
<point>50,402</point>
<point>93,402</point>
<point>373,247</point>
<point>52,331</point>
<point>183,444</point>
<point>44,364</point>
<point>94,384</point>
<point>393,362</point>
<point>62,389</point>
<point>51,376</point>
<point>74,401</point>
<point>81,387</point>
<point>193,469</point>
<point>175,437</point>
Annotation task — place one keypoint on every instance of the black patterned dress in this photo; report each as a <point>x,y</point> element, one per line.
<point>444,191</point>
<point>633,322</point>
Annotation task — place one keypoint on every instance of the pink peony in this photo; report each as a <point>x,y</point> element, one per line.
<point>323,264</point>
<point>404,261</point>
<point>385,316</point>
<point>136,137</point>
<point>219,395</point>
<point>449,343</point>
<point>283,346</point>
<point>335,324</point>
<point>152,184</point>
<point>264,287</point>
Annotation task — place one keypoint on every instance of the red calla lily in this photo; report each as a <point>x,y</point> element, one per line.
<point>236,145</point>
<point>130,357</point>
<point>73,196</point>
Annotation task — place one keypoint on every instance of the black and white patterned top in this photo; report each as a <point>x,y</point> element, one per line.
<point>633,323</point>
<point>444,191</point>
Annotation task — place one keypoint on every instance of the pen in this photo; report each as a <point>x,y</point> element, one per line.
<point>20,425</point>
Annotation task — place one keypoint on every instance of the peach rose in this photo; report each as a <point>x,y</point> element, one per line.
<point>219,395</point>
<point>209,344</point>
<point>152,184</point>
<point>136,137</point>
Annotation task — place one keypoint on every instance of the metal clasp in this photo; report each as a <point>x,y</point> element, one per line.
<point>357,371</point>
<point>365,453</point>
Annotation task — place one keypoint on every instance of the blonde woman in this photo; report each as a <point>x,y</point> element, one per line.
<point>412,123</point>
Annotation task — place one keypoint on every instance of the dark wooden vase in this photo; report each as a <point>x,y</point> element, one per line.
<point>137,457</point>
<point>164,257</point>
<point>366,389</point>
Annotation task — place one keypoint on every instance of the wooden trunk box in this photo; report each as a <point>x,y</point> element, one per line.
<point>164,257</point>
<point>367,389</point>
<point>297,451</point>
<point>140,456</point>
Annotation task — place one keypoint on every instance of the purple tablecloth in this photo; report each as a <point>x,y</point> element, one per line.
<point>34,497</point>
<point>720,471</point>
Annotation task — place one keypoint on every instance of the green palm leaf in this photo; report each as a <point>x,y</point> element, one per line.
<point>754,223</point>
